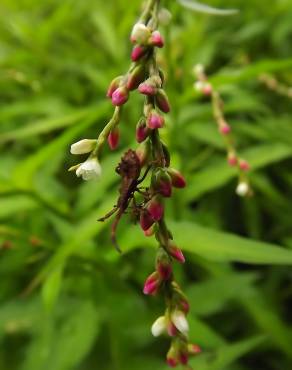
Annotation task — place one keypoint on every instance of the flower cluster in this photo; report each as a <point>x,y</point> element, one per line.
<point>203,86</point>
<point>146,203</point>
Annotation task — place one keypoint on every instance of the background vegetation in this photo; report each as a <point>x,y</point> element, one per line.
<point>68,301</point>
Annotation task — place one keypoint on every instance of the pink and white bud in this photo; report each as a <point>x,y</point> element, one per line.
<point>120,96</point>
<point>171,357</point>
<point>159,326</point>
<point>146,221</point>
<point>180,321</point>
<point>151,284</point>
<point>194,349</point>
<point>114,138</point>
<point>176,253</point>
<point>114,85</point>
<point>138,52</point>
<point>155,208</point>
<point>171,329</point>
<point>155,120</point>
<point>177,179</point>
<point>140,34</point>
<point>164,270</point>
<point>148,89</point>
<point>83,146</point>
<point>156,39</point>
<point>244,165</point>
<point>162,101</point>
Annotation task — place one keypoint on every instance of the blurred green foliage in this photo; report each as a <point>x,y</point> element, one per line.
<point>68,301</point>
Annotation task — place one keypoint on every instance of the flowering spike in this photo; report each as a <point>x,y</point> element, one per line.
<point>113,138</point>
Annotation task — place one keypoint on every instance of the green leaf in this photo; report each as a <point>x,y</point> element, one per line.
<point>51,287</point>
<point>203,8</point>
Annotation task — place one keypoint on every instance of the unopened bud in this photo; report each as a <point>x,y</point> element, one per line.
<point>147,88</point>
<point>224,128</point>
<point>232,159</point>
<point>176,253</point>
<point>140,34</point>
<point>156,39</point>
<point>180,321</point>
<point>142,131</point>
<point>171,357</point>
<point>242,189</point>
<point>161,181</point>
<point>155,120</point>
<point>114,138</point>
<point>177,178</point>
<point>136,77</point>
<point>151,284</point>
<point>138,52</point>
<point>120,96</point>
<point>183,358</point>
<point>164,16</point>
<point>163,265</point>
<point>155,208</point>
<point>143,152</point>
<point>162,101</point>
<point>159,326</point>
<point>113,86</point>
<point>194,349</point>
<point>146,221</point>
<point>244,165</point>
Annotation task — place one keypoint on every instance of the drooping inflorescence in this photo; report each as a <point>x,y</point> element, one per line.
<point>203,86</point>
<point>150,162</point>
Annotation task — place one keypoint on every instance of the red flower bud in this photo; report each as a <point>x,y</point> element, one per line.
<point>113,86</point>
<point>164,270</point>
<point>146,221</point>
<point>185,306</point>
<point>138,52</point>
<point>176,253</point>
<point>120,96</point>
<point>162,101</point>
<point>171,362</point>
<point>194,349</point>
<point>147,89</point>
<point>232,159</point>
<point>171,329</point>
<point>183,358</point>
<point>244,165</point>
<point>156,39</point>
<point>155,120</point>
<point>114,138</point>
<point>155,208</point>
<point>151,284</point>
<point>142,131</point>
<point>161,181</point>
<point>177,179</point>
<point>142,152</point>
<point>136,77</point>
<point>224,128</point>
<point>149,232</point>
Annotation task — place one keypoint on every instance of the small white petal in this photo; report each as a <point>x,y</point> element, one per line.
<point>140,33</point>
<point>89,169</point>
<point>242,189</point>
<point>180,321</point>
<point>159,326</point>
<point>83,146</point>
<point>199,69</point>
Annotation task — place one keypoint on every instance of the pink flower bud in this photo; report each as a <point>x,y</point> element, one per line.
<point>146,221</point>
<point>225,129</point>
<point>155,120</point>
<point>147,89</point>
<point>120,96</point>
<point>176,253</point>
<point>185,306</point>
<point>194,349</point>
<point>171,329</point>
<point>155,208</point>
<point>244,165</point>
<point>113,86</point>
<point>151,284</point>
<point>183,358</point>
<point>142,131</point>
<point>162,101</point>
<point>143,152</point>
<point>164,270</point>
<point>177,179</point>
<point>156,39</point>
<point>232,159</point>
<point>138,52</point>
<point>114,138</point>
<point>135,77</point>
<point>171,362</point>
<point>207,89</point>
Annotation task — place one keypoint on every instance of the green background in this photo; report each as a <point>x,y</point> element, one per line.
<point>68,300</point>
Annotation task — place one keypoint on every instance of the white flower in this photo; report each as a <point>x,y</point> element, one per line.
<point>242,189</point>
<point>159,326</point>
<point>199,69</point>
<point>90,169</point>
<point>83,146</point>
<point>180,321</point>
<point>140,33</point>
<point>164,16</point>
